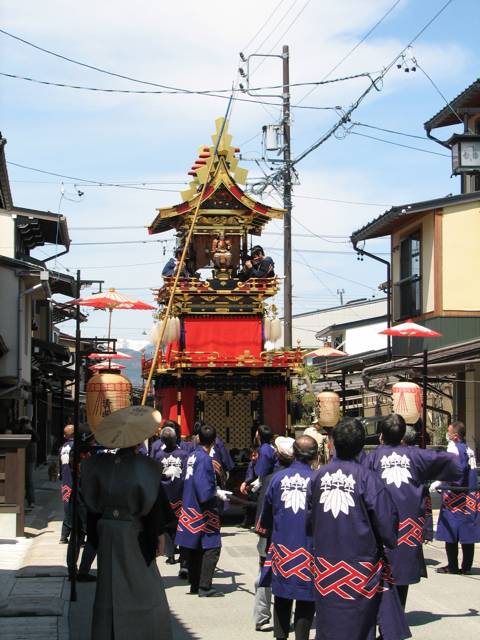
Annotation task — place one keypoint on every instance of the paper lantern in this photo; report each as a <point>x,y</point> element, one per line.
<point>328,408</point>
<point>106,393</point>
<point>407,401</point>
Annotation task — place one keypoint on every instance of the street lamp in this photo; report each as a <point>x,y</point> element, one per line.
<point>465,153</point>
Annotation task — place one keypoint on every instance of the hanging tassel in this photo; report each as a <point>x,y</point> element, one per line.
<point>154,333</point>
<point>178,328</point>
<point>266,328</point>
<point>275,330</point>
<point>166,333</point>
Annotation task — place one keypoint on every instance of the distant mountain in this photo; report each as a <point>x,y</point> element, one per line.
<point>133,368</point>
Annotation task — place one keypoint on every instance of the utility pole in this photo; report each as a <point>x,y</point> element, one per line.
<point>287,203</point>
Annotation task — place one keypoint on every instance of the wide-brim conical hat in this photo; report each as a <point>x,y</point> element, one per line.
<point>128,427</point>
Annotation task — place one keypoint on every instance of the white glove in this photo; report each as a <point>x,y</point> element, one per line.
<point>255,486</point>
<point>434,486</point>
<point>223,495</point>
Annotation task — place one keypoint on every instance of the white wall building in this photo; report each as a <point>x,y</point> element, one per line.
<point>354,326</point>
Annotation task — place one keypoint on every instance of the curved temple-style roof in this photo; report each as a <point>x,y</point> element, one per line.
<point>222,197</point>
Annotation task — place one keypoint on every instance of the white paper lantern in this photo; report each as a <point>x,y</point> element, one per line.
<point>106,393</point>
<point>407,401</point>
<point>328,408</point>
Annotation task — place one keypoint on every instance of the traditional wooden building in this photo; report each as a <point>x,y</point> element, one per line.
<point>216,368</point>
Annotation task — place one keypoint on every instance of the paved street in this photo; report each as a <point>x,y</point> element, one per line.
<point>34,591</point>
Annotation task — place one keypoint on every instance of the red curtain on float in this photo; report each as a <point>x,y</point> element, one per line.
<point>275,409</point>
<point>229,336</point>
<point>172,346</point>
<point>169,406</point>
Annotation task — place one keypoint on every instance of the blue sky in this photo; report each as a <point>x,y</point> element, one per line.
<point>140,139</point>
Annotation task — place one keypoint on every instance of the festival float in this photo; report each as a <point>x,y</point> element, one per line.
<point>213,364</point>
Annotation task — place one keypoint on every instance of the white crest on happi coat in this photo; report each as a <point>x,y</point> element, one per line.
<point>337,490</point>
<point>190,463</point>
<point>396,469</point>
<point>65,457</point>
<point>172,467</point>
<point>472,463</point>
<point>294,490</point>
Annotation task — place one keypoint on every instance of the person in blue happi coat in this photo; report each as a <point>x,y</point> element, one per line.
<point>199,521</point>
<point>405,471</point>
<point>353,519</point>
<point>263,595</point>
<point>459,520</point>
<point>267,458</point>
<point>66,476</point>
<point>289,564</point>
<point>172,458</point>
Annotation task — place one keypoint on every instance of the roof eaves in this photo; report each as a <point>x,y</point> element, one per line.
<point>375,229</point>
<point>456,103</point>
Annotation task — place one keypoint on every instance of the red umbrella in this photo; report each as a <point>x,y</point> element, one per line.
<point>107,365</point>
<point>325,352</point>
<point>410,330</point>
<point>111,300</point>
<point>117,356</point>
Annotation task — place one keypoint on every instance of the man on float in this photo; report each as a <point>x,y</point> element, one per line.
<point>260,266</point>
<point>459,519</point>
<point>405,471</point>
<point>171,268</point>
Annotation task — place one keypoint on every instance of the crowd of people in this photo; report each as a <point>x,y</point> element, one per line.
<point>338,532</point>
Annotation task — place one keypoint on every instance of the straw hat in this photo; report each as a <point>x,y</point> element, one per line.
<point>127,427</point>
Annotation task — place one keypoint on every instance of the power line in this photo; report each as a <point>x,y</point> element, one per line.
<point>397,144</point>
<point>397,133</point>
<point>352,50</point>
<point>93,182</point>
<point>343,253</point>
<point>264,25</point>
<point>80,244</point>
<point>369,204</point>
<point>335,275</point>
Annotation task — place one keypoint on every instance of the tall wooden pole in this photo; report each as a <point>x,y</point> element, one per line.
<point>182,260</point>
<point>287,203</point>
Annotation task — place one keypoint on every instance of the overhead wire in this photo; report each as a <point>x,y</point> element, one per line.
<point>264,25</point>
<point>93,182</point>
<point>397,133</point>
<point>397,144</point>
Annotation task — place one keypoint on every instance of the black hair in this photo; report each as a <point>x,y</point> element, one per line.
<point>349,438</point>
<point>459,428</point>
<point>85,432</point>
<point>305,449</point>
<point>410,435</point>
<point>178,251</point>
<point>393,428</point>
<point>253,448</point>
<point>256,250</point>
<point>265,433</point>
<point>174,425</point>
<point>24,421</point>
<point>207,435</point>
<point>196,427</point>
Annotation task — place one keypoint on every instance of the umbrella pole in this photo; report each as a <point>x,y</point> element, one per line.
<point>109,325</point>
<point>177,275</point>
